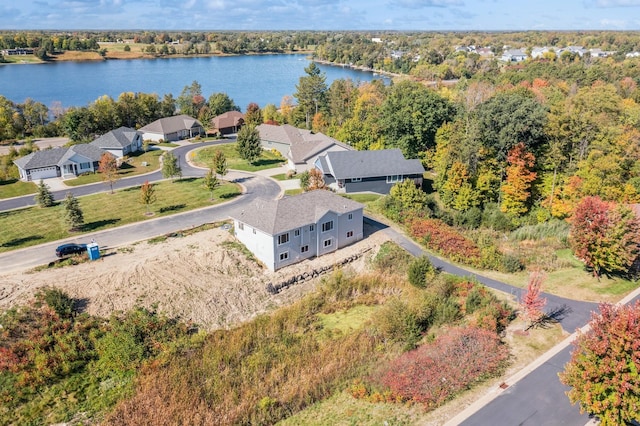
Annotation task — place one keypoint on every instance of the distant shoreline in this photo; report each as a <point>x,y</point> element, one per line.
<point>93,56</point>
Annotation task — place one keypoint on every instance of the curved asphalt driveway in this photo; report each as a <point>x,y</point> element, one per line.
<point>179,152</point>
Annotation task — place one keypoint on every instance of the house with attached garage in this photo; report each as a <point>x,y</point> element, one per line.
<point>228,122</point>
<point>172,128</point>
<point>368,171</point>
<point>300,147</point>
<point>120,142</point>
<point>288,230</point>
<point>65,162</point>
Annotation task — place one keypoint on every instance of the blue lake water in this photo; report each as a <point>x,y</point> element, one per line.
<point>262,79</point>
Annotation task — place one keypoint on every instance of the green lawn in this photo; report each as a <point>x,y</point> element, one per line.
<point>16,188</point>
<point>34,225</point>
<point>362,198</point>
<point>132,167</point>
<point>267,160</point>
<point>281,176</point>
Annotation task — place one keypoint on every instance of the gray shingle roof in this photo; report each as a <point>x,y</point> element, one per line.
<point>87,150</point>
<point>367,164</point>
<point>285,214</point>
<point>44,158</point>
<point>116,139</point>
<point>57,156</point>
<point>173,124</point>
<point>303,144</point>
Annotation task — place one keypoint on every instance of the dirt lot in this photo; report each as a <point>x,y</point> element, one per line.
<point>195,277</point>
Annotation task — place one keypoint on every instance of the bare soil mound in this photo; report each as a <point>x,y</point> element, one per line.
<point>200,278</point>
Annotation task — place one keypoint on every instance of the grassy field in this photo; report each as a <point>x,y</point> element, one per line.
<point>34,225</point>
<point>16,188</point>
<point>132,167</point>
<point>267,160</point>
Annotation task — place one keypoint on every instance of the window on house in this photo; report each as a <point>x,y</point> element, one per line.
<point>327,243</point>
<point>349,234</point>
<point>327,226</point>
<point>284,256</point>
<point>350,216</point>
<point>356,179</point>
<point>394,178</point>
<point>312,228</point>
<point>283,238</point>
<point>296,233</point>
<point>304,249</point>
<point>240,226</point>
<point>254,230</point>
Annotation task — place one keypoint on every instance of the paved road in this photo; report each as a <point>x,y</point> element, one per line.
<point>179,152</point>
<point>255,186</point>
<point>538,399</point>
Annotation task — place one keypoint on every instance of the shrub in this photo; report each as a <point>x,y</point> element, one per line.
<point>397,323</point>
<point>555,229</point>
<point>511,264</point>
<point>392,258</point>
<point>420,271</point>
<point>435,372</point>
<point>493,218</point>
<point>438,236</point>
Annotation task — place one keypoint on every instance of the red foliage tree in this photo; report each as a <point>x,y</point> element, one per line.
<point>603,371</point>
<point>532,303</point>
<point>605,236</point>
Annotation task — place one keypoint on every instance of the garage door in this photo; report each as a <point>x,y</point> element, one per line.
<point>43,173</point>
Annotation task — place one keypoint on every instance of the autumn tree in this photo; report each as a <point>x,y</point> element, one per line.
<point>43,197</point>
<point>220,163</point>
<point>603,370</point>
<point>210,181</point>
<point>170,166</point>
<point>408,195</point>
<point>147,195</point>
<point>253,115</point>
<point>316,180</point>
<point>108,168</point>
<point>73,215</point>
<point>606,237</point>
<point>516,189</point>
<point>532,302</point>
<point>248,143</point>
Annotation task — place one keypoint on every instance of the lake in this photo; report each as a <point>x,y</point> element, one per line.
<point>262,79</point>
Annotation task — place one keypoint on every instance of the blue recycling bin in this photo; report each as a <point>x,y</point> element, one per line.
<point>94,251</point>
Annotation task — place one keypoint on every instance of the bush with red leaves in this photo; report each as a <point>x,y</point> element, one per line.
<point>435,372</point>
<point>442,238</point>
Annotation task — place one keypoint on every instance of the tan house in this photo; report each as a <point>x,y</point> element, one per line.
<point>228,123</point>
<point>300,147</point>
<point>173,128</point>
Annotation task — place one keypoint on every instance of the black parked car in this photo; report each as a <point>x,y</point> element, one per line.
<point>67,249</point>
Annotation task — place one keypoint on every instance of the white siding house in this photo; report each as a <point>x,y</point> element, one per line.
<point>286,231</point>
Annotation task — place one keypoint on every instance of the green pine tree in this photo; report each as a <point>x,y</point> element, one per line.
<point>72,212</point>
<point>248,145</point>
<point>170,166</point>
<point>43,197</point>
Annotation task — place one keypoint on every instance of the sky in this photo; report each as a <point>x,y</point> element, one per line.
<point>421,15</point>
